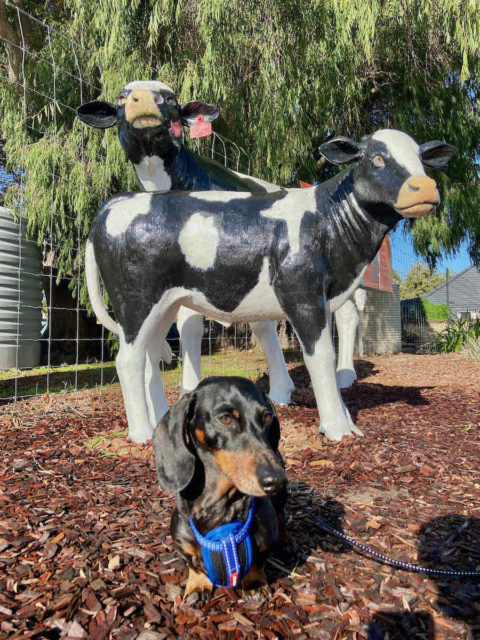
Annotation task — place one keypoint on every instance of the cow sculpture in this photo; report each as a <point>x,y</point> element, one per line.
<point>149,121</point>
<point>239,256</point>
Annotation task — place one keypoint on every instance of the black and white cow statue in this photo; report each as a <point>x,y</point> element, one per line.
<point>149,121</point>
<point>239,256</point>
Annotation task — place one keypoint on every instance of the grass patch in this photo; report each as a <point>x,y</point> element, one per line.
<point>63,379</point>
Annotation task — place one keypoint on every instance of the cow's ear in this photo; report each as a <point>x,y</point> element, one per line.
<point>436,154</point>
<point>98,114</point>
<point>190,112</point>
<point>341,150</point>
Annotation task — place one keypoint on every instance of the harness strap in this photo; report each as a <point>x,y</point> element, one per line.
<point>218,545</point>
<point>229,537</point>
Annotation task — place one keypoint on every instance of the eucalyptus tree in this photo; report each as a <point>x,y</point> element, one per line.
<point>286,74</point>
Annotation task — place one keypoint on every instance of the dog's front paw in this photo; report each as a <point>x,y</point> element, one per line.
<point>197,583</point>
<point>260,594</point>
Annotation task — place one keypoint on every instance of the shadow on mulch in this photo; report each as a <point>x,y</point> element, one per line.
<point>306,538</point>
<point>365,395</point>
<point>453,542</point>
<point>447,542</point>
<point>398,625</point>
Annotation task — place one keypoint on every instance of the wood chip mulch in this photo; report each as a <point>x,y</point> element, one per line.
<point>85,550</point>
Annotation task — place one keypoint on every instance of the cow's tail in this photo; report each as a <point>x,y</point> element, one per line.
<point>98,305</point>
<point>94,292</point>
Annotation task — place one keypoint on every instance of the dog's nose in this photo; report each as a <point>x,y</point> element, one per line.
<point>271,479</point>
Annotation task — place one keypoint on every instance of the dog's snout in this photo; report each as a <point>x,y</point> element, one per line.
<point>271,479</point>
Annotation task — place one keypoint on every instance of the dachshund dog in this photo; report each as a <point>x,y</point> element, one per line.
<point>217,450</point>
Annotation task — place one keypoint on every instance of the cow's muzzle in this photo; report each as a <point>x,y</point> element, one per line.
<point>141,111</point>
<point>418,196</point>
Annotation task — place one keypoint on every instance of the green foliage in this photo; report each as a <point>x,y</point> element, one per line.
<point>471,348</point>
<point>420,280</point>
<point>454,336</point>
<point>284,74</point>
<point>397,278</point>
<point>434,311</point>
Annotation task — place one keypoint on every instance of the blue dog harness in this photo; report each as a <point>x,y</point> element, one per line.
<point>227,550</point>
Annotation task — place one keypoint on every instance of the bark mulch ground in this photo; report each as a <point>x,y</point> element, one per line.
<point>85,550</point>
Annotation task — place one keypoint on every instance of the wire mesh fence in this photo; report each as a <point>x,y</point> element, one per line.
<point>48,340</point>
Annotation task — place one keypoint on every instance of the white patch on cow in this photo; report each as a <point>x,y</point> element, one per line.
<point>260,303</point>
<point>199,240</point>
<point>152,175</point>
<point>291,208</point>
<point>220,196</point>
<point>122,212</point>
<point>153,85</point>
<point>336,302</point>
<point>403,149</point>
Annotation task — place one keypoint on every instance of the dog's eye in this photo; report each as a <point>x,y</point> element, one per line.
<point>267,418</point>
<point>226,418</point>
<point>378,162</point>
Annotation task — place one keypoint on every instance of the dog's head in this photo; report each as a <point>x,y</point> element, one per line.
<point>227,422</point>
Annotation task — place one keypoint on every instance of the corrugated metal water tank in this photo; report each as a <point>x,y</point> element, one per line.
<point>20,295</point>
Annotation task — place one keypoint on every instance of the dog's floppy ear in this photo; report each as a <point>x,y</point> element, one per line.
<point>274,430</point>
<point>174,461</point>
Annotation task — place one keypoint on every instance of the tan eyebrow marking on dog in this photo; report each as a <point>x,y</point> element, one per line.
<point>236,414</point>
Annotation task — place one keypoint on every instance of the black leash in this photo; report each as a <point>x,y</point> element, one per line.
<point>406,566</point>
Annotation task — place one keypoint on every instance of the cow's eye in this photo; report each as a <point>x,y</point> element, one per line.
<point>226,418</point>
<point>170,100</point>
<point>378,162</point>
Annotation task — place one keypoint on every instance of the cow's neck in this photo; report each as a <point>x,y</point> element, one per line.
<point>353,233</point>
<point>171,168</point>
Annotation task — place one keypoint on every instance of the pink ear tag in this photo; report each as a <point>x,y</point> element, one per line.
<point>200,129</point>
<point>176,129</point>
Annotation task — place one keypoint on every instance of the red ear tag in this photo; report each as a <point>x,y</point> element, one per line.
<point>176,129</point>
<point>200,129</point>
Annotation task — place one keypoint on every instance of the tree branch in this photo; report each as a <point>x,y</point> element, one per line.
<point>11,44</point>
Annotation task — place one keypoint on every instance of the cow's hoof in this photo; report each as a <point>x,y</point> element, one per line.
<point>336,431</point>
<point>345,378</point>
<point>142,437</point>
<point>280,397</point>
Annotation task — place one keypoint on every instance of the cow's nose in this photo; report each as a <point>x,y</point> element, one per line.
<point>271,478</point>
<point>417,196</point>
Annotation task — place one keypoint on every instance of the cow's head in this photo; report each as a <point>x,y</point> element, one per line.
<point>146,112</point>
<point>390,170</point>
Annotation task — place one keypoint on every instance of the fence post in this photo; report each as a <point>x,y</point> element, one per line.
<point>448,298</point>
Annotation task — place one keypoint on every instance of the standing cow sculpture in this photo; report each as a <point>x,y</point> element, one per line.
<point>239,256</point>
<point>149,122</point>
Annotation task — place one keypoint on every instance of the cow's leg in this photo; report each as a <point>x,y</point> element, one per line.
<point>190,328</point>
<point>130,363</point>
<point>281,385</point>
<point>346,318</point>
<point>306,310</point>
<point>156,399</point>
<point>335,421</point>
<point>360,297</point>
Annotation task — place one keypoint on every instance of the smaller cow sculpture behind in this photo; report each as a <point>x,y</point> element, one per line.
<point>237,256</point>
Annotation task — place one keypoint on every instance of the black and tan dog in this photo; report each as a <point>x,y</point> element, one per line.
<point>217,450</point>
